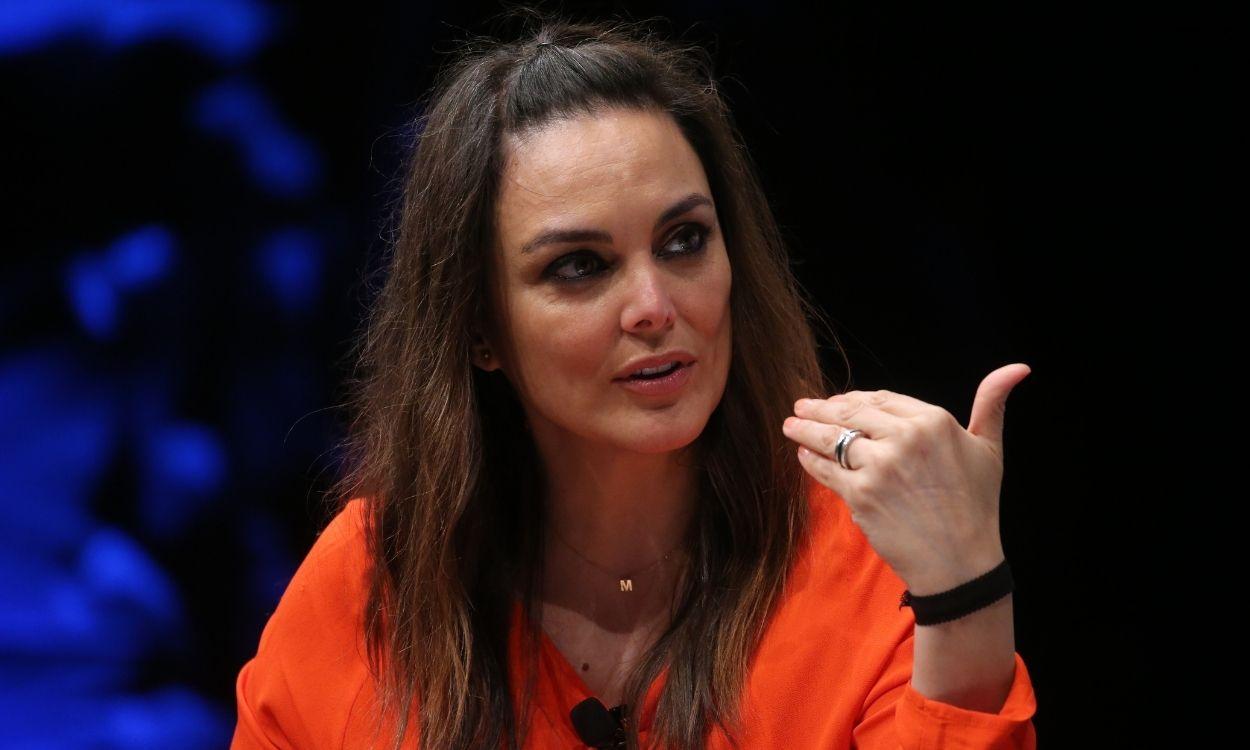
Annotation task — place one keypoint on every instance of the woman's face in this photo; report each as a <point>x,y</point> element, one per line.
<point>639,281</point>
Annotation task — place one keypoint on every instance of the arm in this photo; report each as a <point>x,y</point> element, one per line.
<point>969,662</point>
<point>962,681</point>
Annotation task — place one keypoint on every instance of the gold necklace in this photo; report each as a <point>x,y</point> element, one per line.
<point>626,581</point>
<point>626,585</point>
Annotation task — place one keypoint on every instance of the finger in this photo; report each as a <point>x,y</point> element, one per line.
<point>875,423</point>
<point>822,438</point>
<point>830,473</point>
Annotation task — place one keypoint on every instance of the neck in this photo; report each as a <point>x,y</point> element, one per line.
<point>624,511</point>
<point>623,515</point>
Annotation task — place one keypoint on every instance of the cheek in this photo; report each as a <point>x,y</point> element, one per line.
<point>717,325</point>
<point>563,344</point>
<point>712,295</point>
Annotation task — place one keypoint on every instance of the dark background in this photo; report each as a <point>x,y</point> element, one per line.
<point>194,196</point>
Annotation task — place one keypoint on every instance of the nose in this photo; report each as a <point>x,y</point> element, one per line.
<point>649,303</point>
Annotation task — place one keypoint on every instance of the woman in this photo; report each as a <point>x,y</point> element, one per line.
<point>540,515</point>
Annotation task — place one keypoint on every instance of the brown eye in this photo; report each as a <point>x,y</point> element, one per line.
<point>569,260</point>
<point>697,235</point>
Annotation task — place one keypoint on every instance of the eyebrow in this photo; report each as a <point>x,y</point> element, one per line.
<point>555,236</point>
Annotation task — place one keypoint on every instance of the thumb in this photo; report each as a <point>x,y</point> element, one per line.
<point>990,403</point>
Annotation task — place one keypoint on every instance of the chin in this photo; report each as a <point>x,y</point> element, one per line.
<point>656,435</point>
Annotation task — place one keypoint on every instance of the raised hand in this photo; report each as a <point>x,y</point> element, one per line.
<point>922,488</point>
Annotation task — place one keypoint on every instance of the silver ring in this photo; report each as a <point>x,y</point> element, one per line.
<point>844,441</point>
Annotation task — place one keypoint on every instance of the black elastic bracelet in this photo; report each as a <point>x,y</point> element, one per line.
<point>962,600</point>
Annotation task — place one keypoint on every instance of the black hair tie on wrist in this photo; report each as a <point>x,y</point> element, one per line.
<point>962,600</point>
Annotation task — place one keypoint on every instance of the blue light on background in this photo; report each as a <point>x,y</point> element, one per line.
<point>58,433</point>
<point>82,603</point>
<point>229,31</point>
<point>290,262</point>
<point>97,282</point>
<point>277,159</point>
<point>119,433</point>
<point>184,469</point>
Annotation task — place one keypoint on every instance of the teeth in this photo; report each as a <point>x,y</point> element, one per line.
<point>654,370</point>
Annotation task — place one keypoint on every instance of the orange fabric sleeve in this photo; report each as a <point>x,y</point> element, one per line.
<point>898,717</point>
<point>291,693</point>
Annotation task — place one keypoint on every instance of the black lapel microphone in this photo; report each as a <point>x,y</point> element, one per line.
<point>598,726</point>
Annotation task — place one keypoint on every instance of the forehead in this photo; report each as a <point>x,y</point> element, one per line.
<point>617,165</point>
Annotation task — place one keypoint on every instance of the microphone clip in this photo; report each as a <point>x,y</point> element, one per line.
<point>598,726</point>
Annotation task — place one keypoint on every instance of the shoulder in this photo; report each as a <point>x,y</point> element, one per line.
<point>315,597</point>
<point>310,662</point>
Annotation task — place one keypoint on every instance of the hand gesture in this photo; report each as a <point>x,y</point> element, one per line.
<point>924,490</point>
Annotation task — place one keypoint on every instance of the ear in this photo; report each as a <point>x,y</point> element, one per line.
<point>485,356</point>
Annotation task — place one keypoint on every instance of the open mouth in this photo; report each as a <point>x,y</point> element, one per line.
<point>658,375</point>
<point>659,384</point>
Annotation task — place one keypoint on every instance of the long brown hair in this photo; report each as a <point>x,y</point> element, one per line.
<point>439,451</point>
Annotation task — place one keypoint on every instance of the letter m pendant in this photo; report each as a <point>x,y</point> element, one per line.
<point>627,584</point>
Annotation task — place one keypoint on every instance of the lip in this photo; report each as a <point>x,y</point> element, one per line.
<point>676,355</point>
<point>667,385</point>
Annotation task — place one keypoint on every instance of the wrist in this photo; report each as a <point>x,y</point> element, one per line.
<point>937,579</point>
<point>961,600</point>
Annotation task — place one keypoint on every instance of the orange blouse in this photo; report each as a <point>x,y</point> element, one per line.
<point>833,669</point>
